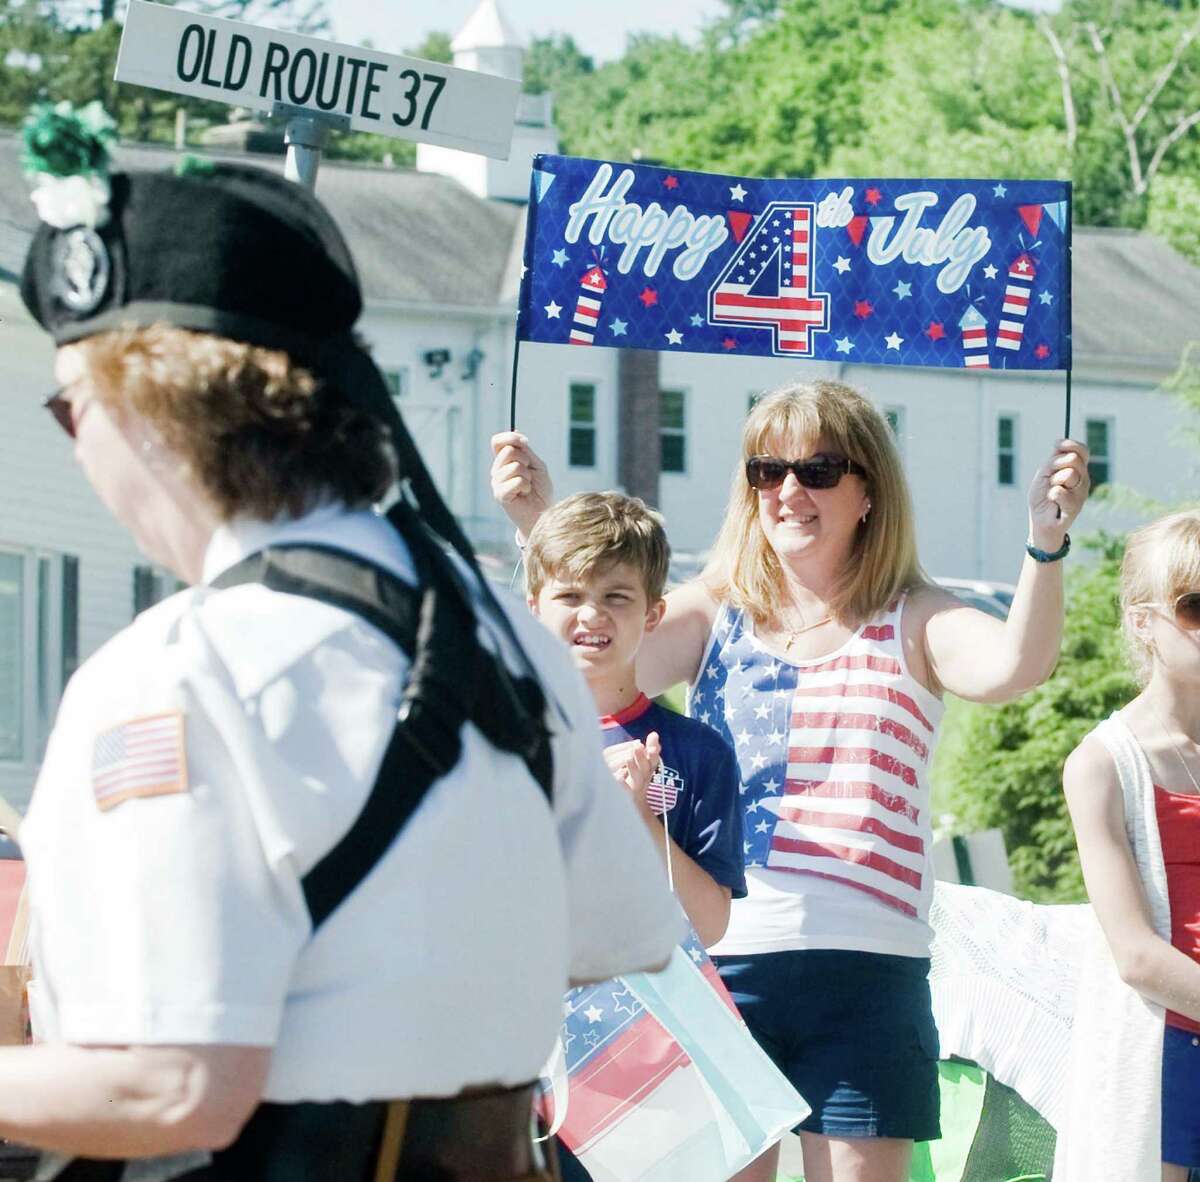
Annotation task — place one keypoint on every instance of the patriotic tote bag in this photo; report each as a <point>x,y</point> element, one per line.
<point>656,1078</point>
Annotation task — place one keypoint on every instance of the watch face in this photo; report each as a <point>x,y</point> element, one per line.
<point>81,270</point>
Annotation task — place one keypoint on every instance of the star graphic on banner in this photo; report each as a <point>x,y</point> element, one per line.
<point>592,1039</point>
<point>705,717</point>
<point>744,736</point>
<point>553,309</point>
<point>672,182</point>
<point>729,343</point>
<point>674,337</point>
<point>999,190</point>
<point>936,330</point>
<point>844,344</point>
<point>1023,266</point>
<point>618,327</point>
<point>762,827</point>
<point>894,340</point>
<point>863,309</point>
<point>696,955</point>
<point>873,196</point>
<point>697,320</point>
<point>1042,352</point>
<point>649,297</point>
<point>772,785</point>
<point>560,258</point>
<point>622,1006</point>
<point>842,265</point>
<point>593,1013</point>
<point>752,806</point>
<point>989,272</point>
<point>1046,297</point>
<point>758,762</point>
<point>737,193</point>
<point>903,290</point>
<point>776,737</point>
<point>762,711</point>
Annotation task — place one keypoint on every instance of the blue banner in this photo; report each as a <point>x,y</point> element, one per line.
<point>957,273</point>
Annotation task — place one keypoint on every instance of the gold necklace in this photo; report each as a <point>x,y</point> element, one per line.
<point>1175,748</point>
<point>794,633</point>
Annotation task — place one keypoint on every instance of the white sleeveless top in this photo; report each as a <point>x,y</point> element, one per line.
<point>834,755</point>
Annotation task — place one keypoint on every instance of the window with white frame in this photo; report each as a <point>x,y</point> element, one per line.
<point>396,380</point>
<point>1099,436</point>
<point>895,419</point>
<point>1006,450</point>
<point>39,646</point>
<point>673,430</point>
<point>581,428</point>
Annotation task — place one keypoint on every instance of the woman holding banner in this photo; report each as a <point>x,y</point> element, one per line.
<point>815,644</point>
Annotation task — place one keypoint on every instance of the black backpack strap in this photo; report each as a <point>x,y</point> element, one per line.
<point>453,679</point>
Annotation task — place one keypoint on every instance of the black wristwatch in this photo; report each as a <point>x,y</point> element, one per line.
<point>1047,555</point>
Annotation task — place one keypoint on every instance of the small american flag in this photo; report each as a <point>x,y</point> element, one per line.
<point>142,757</point>
<point>663,790</point>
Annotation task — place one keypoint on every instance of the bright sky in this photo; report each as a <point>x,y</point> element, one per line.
<point>598,26</point>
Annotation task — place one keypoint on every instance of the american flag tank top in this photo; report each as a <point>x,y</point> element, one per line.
<point>834,755</point>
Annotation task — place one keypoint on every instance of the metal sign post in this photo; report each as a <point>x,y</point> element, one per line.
<point>306,134</point>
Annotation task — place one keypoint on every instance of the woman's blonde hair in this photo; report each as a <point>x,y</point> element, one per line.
<point>1162,562</point>
<point>745,571</point>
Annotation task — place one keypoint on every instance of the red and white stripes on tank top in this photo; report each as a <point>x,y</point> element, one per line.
<point>834,756</point>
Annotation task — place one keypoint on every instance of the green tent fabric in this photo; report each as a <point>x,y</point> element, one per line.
<point>989,1134</point>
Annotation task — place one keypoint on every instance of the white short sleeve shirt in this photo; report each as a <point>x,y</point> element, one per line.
<point>207,757</point>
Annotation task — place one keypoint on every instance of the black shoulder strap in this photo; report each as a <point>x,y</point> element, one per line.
<point>453,679</point>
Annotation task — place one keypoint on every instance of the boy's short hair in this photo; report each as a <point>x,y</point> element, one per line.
<point>590,532</point>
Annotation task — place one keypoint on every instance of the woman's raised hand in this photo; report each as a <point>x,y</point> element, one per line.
<point>1057,494</point>
<point>520,482</point>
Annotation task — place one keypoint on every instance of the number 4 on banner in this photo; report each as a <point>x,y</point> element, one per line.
<point>766,285</point>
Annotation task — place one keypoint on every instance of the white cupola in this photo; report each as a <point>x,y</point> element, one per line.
<point>490,44</point>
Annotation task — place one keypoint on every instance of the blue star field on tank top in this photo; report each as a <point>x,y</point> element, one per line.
<point>834,757</point>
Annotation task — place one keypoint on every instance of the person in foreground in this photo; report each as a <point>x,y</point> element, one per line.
<point>595,569</point>
<point>815,644</point>
<point>1133,789</point>
<point>311,865</point>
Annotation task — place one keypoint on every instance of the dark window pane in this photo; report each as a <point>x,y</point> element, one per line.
<point>145,589</point>
<point>394,379</point>
<point>673,453</point>
<point>1005,468</point>
<point>1098,471</point>
<point>583,404</point>
<point>583,447</point>
<point>1005,433</point>
<point>70,616</point>
<point>671,409</point>
<point>893,420</point>
<point>1097,437</point>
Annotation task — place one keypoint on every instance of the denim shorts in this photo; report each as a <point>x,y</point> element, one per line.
<point>1181,1097</point>
<point>854,1033</point>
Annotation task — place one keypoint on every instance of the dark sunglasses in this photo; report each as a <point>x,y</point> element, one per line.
<point>59,405</point>
<point>768,472</point>
<point>1186,610</point>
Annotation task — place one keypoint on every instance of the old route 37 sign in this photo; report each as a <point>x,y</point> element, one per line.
<point>886,271</point>
<point>249,66</point>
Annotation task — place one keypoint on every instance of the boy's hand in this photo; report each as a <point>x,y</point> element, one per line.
<point>634,764</point>
<point>520,482</point>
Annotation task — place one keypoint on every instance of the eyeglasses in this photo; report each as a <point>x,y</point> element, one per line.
<point>1186,610</point>
<point>769,472</point>
<point>59,405</point>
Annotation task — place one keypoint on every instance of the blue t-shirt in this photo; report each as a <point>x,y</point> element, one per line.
<point>706,819</point>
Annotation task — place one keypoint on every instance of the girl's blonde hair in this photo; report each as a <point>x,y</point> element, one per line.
<point>745,571</point>
<point>1162,562</point>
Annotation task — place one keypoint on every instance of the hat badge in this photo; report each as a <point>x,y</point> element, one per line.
<point>81,270</point>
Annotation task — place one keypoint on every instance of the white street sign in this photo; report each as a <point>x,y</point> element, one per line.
<point>249,66</point>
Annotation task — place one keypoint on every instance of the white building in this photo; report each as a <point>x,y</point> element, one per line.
<point>439,253</point>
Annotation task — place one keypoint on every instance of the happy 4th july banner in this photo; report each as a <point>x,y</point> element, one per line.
<point>968,273</point>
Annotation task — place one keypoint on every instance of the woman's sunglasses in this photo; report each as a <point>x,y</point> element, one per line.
<point>769,472</point>
<point>59,405</point>
<point>1186,610</point>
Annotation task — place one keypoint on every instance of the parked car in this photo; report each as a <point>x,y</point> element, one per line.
<point>993,598</point>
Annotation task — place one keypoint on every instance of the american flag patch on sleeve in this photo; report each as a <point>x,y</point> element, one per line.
<point>142,757</point>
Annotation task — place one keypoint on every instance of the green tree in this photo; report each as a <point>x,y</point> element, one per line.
<point>1001,766</point>
<point>554,62</point>
<point>435,48</point>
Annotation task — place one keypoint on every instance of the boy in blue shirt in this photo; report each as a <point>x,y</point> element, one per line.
<point>595,571</point>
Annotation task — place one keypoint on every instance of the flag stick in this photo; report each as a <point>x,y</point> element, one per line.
<point>1067,427</point>
<point>512,396</point>
<point>1069,312</point>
